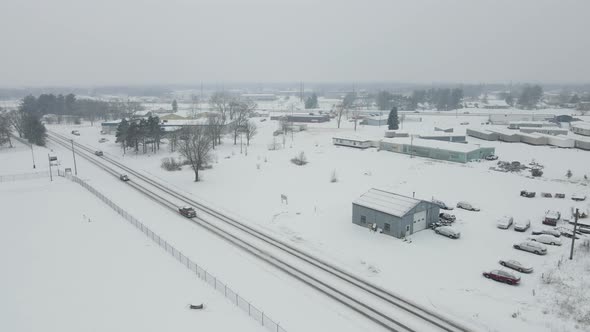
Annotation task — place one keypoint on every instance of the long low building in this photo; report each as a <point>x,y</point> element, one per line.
<point>530,124</point>
<point>482,134</point>
<point>393,214</point>
<point>581,128</point>
<point>506,135</point>
<point>446,137</point>
<point>582,143</point>
<point>352,141</point>
<point>533,139</point>
<point>456,152</point>
<point>561,141</point>
<point>545,130</point>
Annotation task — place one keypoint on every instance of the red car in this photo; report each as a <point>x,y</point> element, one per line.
<point>502,276</point>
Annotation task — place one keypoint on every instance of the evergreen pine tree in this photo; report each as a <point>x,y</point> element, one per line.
<point>34,131</point>
<point>122,133</point>
<point>393,120</point>
<point>174,106</point>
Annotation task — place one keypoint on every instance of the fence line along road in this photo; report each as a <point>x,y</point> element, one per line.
<point>230,294</point>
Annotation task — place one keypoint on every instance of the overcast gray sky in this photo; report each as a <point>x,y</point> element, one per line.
<point>81,42</point>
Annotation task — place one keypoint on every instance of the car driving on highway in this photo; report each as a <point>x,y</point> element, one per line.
<point>187,211</point>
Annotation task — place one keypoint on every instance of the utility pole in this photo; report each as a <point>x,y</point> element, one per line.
<point>574,235</point>
<point>50,175</point>
<point>33,155</point>
<point>74,154</point>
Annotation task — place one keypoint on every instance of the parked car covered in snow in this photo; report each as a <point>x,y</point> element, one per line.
<point>579,197</point>
<point>546,239</point>
<point>549,231</point>
<point>504,222</point>
<point>448,231</point>
<point>522,226</point>
<point>551,218</point>
<point>502,276</point>
<point>442,204</point>
<point>531,246</point>
<point>467,206</point>
<point>515,265</point>
<point>529,194</point>
<point>447,217</point>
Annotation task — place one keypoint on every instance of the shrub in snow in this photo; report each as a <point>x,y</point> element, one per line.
<point>300,159</point>
<point>171,164</point>
<point>333,178</point>
<point>569,173</point>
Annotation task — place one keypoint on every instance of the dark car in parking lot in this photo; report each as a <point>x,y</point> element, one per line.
<point>502,276</point>
<point>447,217</point>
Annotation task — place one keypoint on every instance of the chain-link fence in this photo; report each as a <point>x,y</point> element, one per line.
<point>199,271</point>
<point>23,176</point>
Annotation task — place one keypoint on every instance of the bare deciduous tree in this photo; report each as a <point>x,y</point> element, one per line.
<point>195,145</point>
<point>339,113</point>
<point>5,130</point>
<point>242,111</point>
<point>16,120</point>
<point>250,130</point>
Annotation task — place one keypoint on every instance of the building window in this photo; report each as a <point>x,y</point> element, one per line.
<point>363,220</point>
<point>386,227</point>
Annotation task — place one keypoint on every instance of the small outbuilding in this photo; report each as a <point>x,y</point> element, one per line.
<point>392,213</point>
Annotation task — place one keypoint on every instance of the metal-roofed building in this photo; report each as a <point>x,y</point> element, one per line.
<point>393,214</point>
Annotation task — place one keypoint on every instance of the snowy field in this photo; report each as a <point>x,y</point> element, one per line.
<point>440,273</point>
<point>71,264</point>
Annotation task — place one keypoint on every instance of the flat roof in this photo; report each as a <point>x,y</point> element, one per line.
<point>434,144</point>
<point>352,138</point>
<point>504,131</point>
<point>582,125</point>
<point>387,202</point>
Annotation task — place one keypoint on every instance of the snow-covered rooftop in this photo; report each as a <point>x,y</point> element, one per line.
<point>387,202</point>
<point>352,137</point>
<point>434,144</point>
<point>582,125</point>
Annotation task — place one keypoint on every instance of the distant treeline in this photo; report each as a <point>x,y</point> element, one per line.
<point>88,109</point>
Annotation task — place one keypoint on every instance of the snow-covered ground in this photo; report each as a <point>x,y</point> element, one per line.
<point>69,263</point>
<point>435,271</point>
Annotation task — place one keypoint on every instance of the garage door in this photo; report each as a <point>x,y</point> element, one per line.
<point>419,221</point>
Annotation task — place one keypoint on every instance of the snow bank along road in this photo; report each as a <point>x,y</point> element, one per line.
<point>379,305</point>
